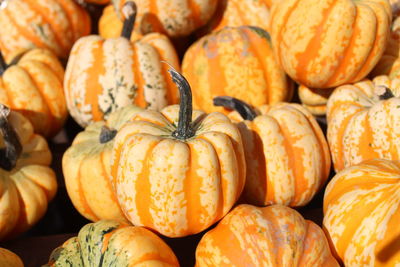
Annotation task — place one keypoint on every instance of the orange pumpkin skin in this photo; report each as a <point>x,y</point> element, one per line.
<point>360,125</point>
<point>272,141</point>
<point>175,18</point>
<point>238,62</point>
<point>103,75</point>
<point>361,217</point>
<point>271,236</point>
<point>98,2</point>
<point>314,100</point>
<point>51,24</point>
<point>324,44</point>
<point>34,87</point>
<point>9,259</point>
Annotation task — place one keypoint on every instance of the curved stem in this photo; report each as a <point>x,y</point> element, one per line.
<point>184,129</point>
<point>387,94</point>
<point>129,10</point>
<point>10,153</point>
<point>244,109</point>
<point>107,134</point>
<point>3,64</point>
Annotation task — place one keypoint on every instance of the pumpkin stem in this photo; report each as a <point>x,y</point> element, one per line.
<point>107,134</point>
<point>3,64</point>
<point>13,148</point>
<point>184,129</point>
<point>244,109</point>
<point>129,10</point>
<point>387,94</point>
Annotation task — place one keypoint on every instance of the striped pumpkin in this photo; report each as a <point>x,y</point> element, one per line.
<point>324,44</point>
<point>51,24</point>
<point>361,216</point>
<point>34,87</point>
<point>363,122</point>
<point>287,155</point>
<point>26,181</point>
<point>174,18</point>
<point>108,243</point>
<point>175,172</point>
<point>9,259</point>
<point>86,168</point>
<point>103,75</point>
<point>272,236</point>
<point>238,62</point>
<point>314,100</point>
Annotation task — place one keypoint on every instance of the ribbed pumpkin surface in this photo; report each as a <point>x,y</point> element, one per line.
<point>51,24</point>
<point>360,126</point>
<point>34,86</point>
<point>9,259</point>
<point>27,188</point>
<point>103,75</point>
<point>361,213</point>
<point>238,62</point>
<point>314,100</point>
<point>327,43</point>
<point>177,187</point>
<point>287,155</point>
<point>87,169</point>
<point>108,243</point>
<point>273,236</point>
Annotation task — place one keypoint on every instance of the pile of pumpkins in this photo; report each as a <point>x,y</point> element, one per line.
<point>189,125</point>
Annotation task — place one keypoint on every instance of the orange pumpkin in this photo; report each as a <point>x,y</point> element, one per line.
<point>363,122</point>
<point>238,62</point>
<point>287,155</point>
<point>271,236</point>
<point>324,44</point>
<point>314,100</point>
<point>86,168</point>
<point>26,181</point>
<point>103,75</point>
<point>9,259</point>
<point>51,24</point>
<point>33,85</point>
<point>361,213</point>
<point>98,2</point>
<point>175,171</point>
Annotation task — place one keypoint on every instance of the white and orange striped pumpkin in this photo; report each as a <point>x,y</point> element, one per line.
<point>51,24</point>
<point>314,100</point>
<point>103,75</point>
<point>176,172</point>
<point>33,85</point>
<point>236,61</point>
<point>361,213</point>
<point>86,168</point>
<point>364,121</point>
<point>275,236</point>
<point>324,44</point>
<point>287,155</point>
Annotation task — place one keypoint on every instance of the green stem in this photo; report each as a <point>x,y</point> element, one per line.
<point>129,10</point>
<point>3,64</point>
<point>107,134</point>
<point>11,152</point>
<point>244,109</point>
<point>184,130</point>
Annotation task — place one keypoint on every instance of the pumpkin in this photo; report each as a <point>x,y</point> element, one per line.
<point>175,18</point>
<point>235,13</point>
<point>363,121</point>
<point>33,85</point>
<point>177,171</point>
<point>103,75</point>
<point>109,243</point>
<point>286,153</point>
<point>389,64</point>
<point>98,2</point>
<point>395,4</point>
<point>271,236</point>
<point>51,24</point>
<point>86,168</point>
<point>325,44</point>
<point>9,259</point>
<point>236,61</point>
<point>314,100</point>
<point>361,215</point>
<point>27,183</point>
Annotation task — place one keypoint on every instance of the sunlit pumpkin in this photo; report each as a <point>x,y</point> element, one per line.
<point>314,100</point>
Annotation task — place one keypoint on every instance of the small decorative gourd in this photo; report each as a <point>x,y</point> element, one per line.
<point>178,171</point>
<point>9,259</point>
<point>314,100</point>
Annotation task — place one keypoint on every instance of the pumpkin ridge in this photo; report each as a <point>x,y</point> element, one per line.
<point>109,185</point>
<point>140,99</point>
<point>195,14</point>
<point>8,93</point>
